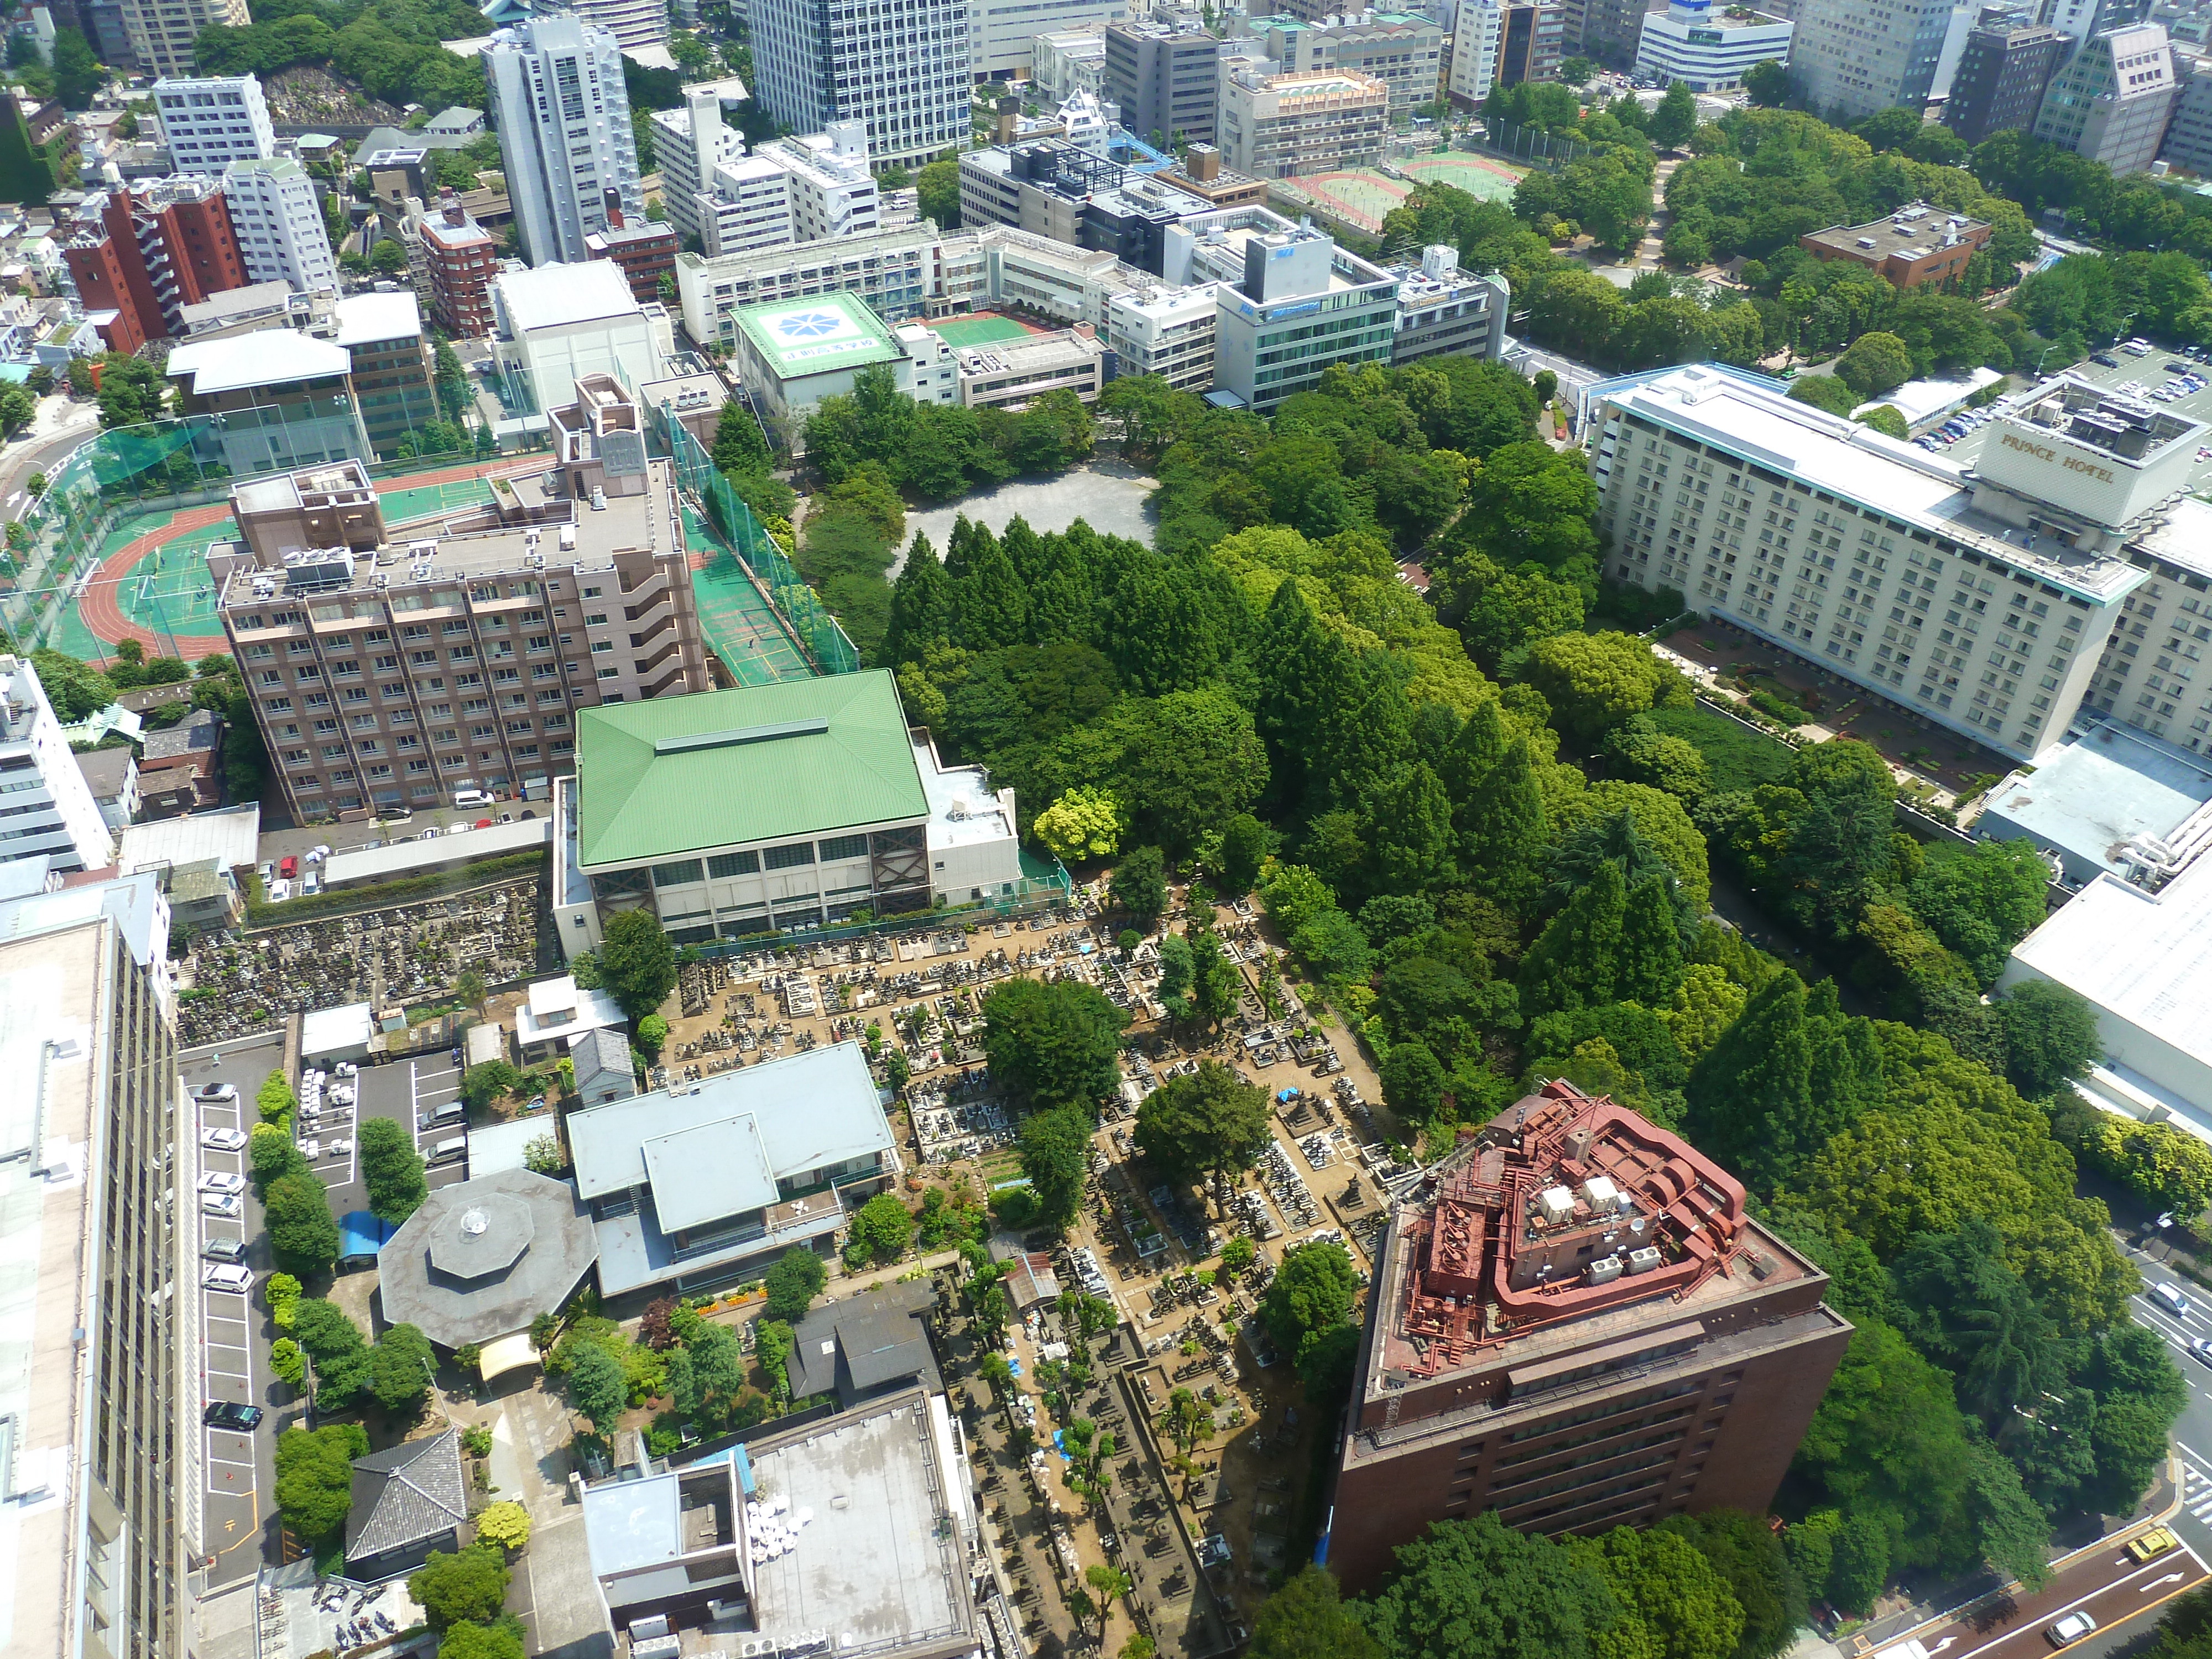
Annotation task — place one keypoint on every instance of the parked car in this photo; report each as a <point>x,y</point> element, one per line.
<point>288,867</point>
<point>224,1249</point>
<point>223,1140</point>
<point>222,1180</point>
<point>2069,1629</point>
<point>214,1093</point>
<point>2105,358</point>
<point>310,884</point>
<point>228,1276</point>
<point>229,1414</point>
<point>281,891</point>
<point>226,1204</point>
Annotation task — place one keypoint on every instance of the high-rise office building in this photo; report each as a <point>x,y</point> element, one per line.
<point>1854,59</point>
<point>276,215</point>
<point>1001,36</point>
<point>1531,43</point>
<point>1475,40</point>
<point>1575,1325</point>
<point>209,122</point>
<point>564,133</point>
<point>634,23</point>
<point>51,814</point>
<point>101,1393</point>
<point>161,32</point>
<point>1165,78</point>
<point>2001,73</point>
<point>902,68</point>
<point>2189,134</point>
<point>2112,100</point>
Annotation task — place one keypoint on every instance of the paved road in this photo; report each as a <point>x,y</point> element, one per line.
<point>2107,1584</point>
<point>43,455</point>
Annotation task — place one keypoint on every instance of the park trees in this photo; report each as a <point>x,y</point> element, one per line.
<point>637,963</point>
<point>1204,1122</point>
<point>314,1478</point>
<point>1056,1149</point>
<point>1140,884</point>
<point>1054,1045</point>
<point>303,1234</point>
<point>392,1169</point>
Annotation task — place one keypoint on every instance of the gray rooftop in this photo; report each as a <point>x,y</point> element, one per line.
<point>708,1171</point>
<point>633,1523</point>
<point>407,1495</point>
<point>2086,800</point>
<point>481,1260</point>
<point>857,1349</point>
<point>884,1562</point>
<point>604,1072</point>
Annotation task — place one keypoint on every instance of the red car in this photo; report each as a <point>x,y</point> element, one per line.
<point>288,868</point>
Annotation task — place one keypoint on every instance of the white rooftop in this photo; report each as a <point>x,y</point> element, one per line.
<point>589,1011</point>
<point>335,1030</point>
<point>378,317</point>
<point>554,998</point>
<point>229,837</point>
<point>268,357</point>
<point>962,811</point>
<point>552,296</point>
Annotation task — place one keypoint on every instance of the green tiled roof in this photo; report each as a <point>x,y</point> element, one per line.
<point>765,762</point>
<point>821,334</point>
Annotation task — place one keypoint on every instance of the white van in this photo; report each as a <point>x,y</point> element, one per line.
<point>471,797</point>
<point>450,1151</point>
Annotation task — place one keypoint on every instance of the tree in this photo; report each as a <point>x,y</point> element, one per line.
<point>1875,363</point>
<point>1081,825</point>
<point>1964,1306</point>
<point>2050,1035</point>
<point>1246,844</point>
<point>1476,1590</point>
<point>467,1586</point>
<point>1577,70</point>
<point>652,1036</point>
<point>314,1478</point>
<point>1140,884</point>
<point>637,963</point>
<point>480,1642</point>
<point>302,1233</point>
<point>392,1169</point>
<point>399,1370</point>
<point>1204,1122</point>
<point>1054,1045</point>
<point>1886,420</point>
<point>707,1376</point>
<point>936,192</point>
<point>882,1228</point>
<point>485,1082</point>
<point>1055,1148</point>
<point>77,74</point>
<point>387,258</point>
<point>1750,1560</point>
<point>1675,117</point>
<point>1310,1295</point>
<point>75,689</point>
<point>1685,1607</point>
<point>1413,1081</point>
<point>1308,1619</point>
<point>1595,681</point>
<point>1788,1075</point>
<point>598,1388</point>
<point>793,1283</point>
<point>506,1524</point>
<point>1767,82</point>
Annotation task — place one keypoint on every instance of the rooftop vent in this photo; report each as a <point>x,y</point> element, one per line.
<point>739,736</point>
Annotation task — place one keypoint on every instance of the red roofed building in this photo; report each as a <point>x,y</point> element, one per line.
<point>1575,1322</point>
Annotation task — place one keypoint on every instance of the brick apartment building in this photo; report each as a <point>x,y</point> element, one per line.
<point>1574,1323</point>
<point>393,668</point>
<point>646,252</point>
<point>140,255</point>
<point>1914,247</point>
<point>462,257</point>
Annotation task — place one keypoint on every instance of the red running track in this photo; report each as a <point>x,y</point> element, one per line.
<point>103,616</point>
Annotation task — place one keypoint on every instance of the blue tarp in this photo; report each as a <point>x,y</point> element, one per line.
<point>363,1234</point>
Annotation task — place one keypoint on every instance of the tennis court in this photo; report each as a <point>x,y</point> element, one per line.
<point>1363,195</point>
<point>740,626</point>
<point>1484,180</point>
<point>977,330</point>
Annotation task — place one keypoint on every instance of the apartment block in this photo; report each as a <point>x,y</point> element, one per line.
<point>1575,1324</point>
<point>1281,126</point>
<point>2151,673</point>
<point>1914,247</point>
<point>644,253</point>
<point>162,33</point>
<point>636,25</point>
<point>688,145</point>
<point>102,1396</point>
<point>51,814</point>
<point>1854,60</point>
<point>564,133</point>
<point>2003,70</point>
<point>1612,30</point>
<point>1980,601</point>
<point>383,335</point>
<point>1402,50</point>
<point>391,672</point>
<point>2111,102</point>
<point>1167,332</point>
<point>903,71</point>
<point>1064,62</point>
<point>207,122</point>
<point>1164,78</point>
<point>276,216</point>
<point>140,255</point>
<point>1012,374</point>
<point>462,257</point>
<point>1476,38</point>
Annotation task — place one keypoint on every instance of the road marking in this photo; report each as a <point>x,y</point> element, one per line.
<point>2052,1615</point>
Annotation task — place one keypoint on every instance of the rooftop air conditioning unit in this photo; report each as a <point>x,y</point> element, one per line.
<point>1642,1260</point>
<point>1555,1204</point>
<point>1605,1270</point>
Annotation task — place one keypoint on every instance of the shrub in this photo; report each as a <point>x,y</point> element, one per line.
<point>469,1587</point>
<point>288,1362</point>
<point>505,1524</point>
<point>795,1281</point>
<point>282,1292</point>
<point>276,1099</point>
<point>476,1440</point>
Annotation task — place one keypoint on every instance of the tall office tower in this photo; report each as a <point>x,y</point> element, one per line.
<point>901,68</point>
<point>1165,79</point>
<point>2189,134</point>
<point>564,133</point>
<point>276,215</point>
<point>1474,51</point>
<point>1855,60</point>
<point>2001,74</point>
<point>209,122</point>
<point>1001,37</point>
<point>1575,1324</point>
<point>161,32</point>
<point>2111,101</point>
<point>1533,43</point>
<point>101,1393</point>
<point>52,813</point>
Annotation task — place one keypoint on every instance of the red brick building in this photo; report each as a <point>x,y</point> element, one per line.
<point>145,254</point>
<point>646,252</point>
<point>1575,1324</point>
<point>1914,247</point>
<point>463,257</point>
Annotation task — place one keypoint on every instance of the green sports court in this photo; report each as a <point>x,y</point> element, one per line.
<point>978,330</point>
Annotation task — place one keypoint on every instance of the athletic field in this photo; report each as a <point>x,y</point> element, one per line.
<point>977,330</point>
<point>1362,195</point>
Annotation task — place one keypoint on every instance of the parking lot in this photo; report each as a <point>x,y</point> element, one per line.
<point>238,1516</point>
<point>2138,375</point>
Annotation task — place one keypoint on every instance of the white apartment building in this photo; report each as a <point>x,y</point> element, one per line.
<point>1279,126</point>
<point>276,213</point>
<point>210,121</point>
<point>635,24</point>
<point>161,32</point>
<point>2112,100</point>
<point>1855,60</point>
<point>50,810</point>
<point>1709,50</point>
<point>1444,311</point>
<point>558,325</point>
<point>564,133</point>
<point>832,194</point>
<point>1002,32</point>
<point>812,188</point>
<point>901,68</point>
<point>688,145</point>
<point>1479,32</point>
<point>1167,332</point>
<point>1981,602</point>
<point>1065,62</point>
